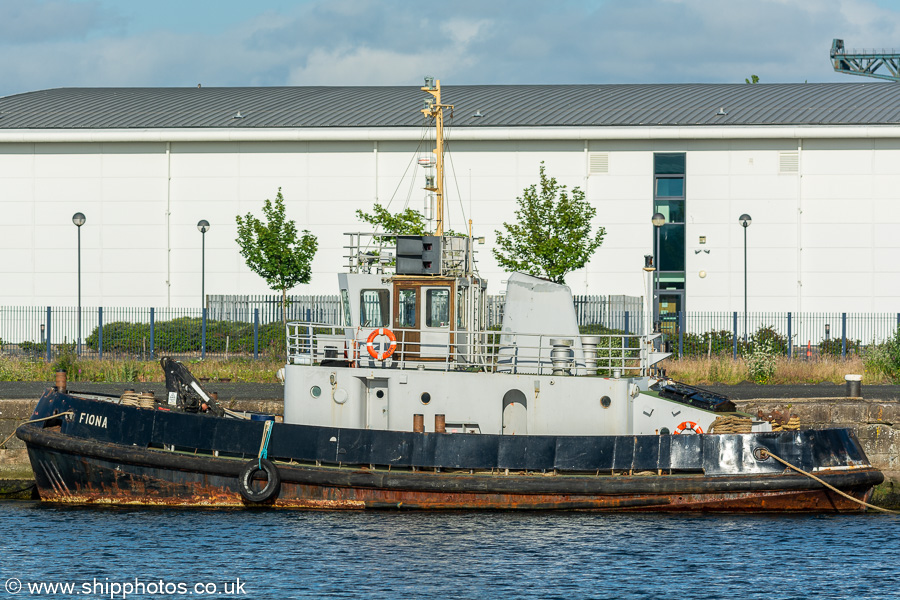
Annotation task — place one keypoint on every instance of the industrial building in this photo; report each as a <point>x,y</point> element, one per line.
<point>816,166</point>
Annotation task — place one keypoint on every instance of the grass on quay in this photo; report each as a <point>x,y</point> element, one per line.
<point>126,370</point>
<point>698,371</point>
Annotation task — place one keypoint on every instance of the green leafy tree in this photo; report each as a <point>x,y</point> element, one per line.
<point>753,79</point>
<point>274,251</point>
<point>552,235</point>
<point>406,222</point>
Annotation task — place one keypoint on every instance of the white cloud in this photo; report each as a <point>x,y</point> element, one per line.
<point>56,43</point>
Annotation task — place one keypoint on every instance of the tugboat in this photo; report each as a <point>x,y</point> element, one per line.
<point>411,403</point>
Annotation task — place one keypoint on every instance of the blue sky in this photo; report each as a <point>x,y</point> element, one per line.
<point>64,43</point>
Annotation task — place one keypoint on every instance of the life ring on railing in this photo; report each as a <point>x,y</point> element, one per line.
<point>245,480</point>
<point>688,426</point>
<point>389,335</point>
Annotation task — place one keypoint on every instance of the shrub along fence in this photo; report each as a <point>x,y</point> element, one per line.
<point>146,333</point>
<point>795,335</point>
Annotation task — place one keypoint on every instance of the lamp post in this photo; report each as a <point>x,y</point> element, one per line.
<point>79,220</point>
<point>745,220</point>
<point>203,227</point>
<point>658,219</point>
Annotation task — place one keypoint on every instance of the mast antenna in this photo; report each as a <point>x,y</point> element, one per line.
<point>435,109</point>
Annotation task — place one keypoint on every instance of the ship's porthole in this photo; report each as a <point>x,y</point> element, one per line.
<point>605,401</point>
<point>379,394</point>
<point>426,397</point>
<point>315,391</point>
<point>664,431</point>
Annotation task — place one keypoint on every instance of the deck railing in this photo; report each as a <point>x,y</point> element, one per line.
<point>490,351</point>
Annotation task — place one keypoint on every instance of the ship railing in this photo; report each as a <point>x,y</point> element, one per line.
<point>461,350</point>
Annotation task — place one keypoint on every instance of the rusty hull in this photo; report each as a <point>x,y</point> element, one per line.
<point>80,471</point>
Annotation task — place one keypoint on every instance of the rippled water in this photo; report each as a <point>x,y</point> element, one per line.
<point>391,555</point>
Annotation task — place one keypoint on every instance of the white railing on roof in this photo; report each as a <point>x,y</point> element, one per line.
<point>489,351</point>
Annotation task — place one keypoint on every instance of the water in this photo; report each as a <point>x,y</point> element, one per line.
<point>495,555</point>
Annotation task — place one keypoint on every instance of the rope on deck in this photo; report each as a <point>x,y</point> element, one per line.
<point>765,453</point>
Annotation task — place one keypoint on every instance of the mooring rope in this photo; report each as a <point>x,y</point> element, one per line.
<point>9,437</point>
<point>765,453</point>
<point>14,492</point>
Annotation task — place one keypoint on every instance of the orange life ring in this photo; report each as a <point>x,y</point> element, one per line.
<point>688,426</point>
<point>389,335</point>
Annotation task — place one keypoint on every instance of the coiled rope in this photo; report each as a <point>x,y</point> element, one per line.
<point>9,437</point>
<point>766,453</point>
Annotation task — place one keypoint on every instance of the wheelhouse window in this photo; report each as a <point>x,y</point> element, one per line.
<point>345,303</point>
<point>374,308</point>
<point>406,303</point>
<point>437,308</point>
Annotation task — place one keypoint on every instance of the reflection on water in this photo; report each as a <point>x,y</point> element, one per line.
<point>281,554</point>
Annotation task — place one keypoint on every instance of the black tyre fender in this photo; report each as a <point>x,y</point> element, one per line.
<point>245,480</point>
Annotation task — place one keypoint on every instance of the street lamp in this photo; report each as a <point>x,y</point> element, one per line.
<point>745,220</point>
<point>658,220</point>
<point>79,220</point>
<point>203,227</point>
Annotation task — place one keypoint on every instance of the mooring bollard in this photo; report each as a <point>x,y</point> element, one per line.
<point>440,424</point>
<point>61,381</point>
<point>418,423</point>
<point>854,386</point>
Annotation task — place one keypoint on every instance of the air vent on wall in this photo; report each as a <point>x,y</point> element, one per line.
<point>788,162</point>
<point>599,163</point>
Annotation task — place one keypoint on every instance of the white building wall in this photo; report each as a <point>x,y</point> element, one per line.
<point>822,239</point>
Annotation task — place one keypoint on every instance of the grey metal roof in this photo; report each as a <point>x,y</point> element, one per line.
<point>869,103</point>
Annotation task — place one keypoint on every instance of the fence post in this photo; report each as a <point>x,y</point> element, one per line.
<point>734,338</point>
<point>152,336</point>
<point>627,331</point>
<point>203,336</point>
<point>843,335</point>
<point>680,333</point>
<point>790,339</point>
<point>100,332</point>
<point>49,354</point>
<point>255,333</point>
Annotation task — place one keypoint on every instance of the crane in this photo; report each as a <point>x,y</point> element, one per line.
<point>865,62</point>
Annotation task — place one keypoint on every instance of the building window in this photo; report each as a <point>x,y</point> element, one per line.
<point>669,199</point>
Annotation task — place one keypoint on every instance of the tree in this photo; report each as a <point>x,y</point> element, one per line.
<point>407,222</point>
<point>274,251</point>
<point>753,79</point>
<point>551,236</point>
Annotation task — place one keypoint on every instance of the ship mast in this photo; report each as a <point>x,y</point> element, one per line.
<point>433,108</point>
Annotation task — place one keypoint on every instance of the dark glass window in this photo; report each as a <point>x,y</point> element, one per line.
<point>668,164</point>
<point>671,247</point>
<point>670,186</point>
<point>673,210</point>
